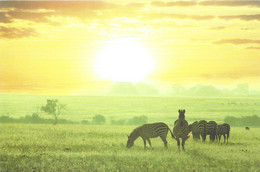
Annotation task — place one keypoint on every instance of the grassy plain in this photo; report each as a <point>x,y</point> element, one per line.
<point>42,147</point>
<point>35,147</point>
<point>156,108</point>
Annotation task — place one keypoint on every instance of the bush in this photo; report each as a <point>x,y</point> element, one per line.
<point>118,122</point>
<point>85,122</point>
<point>98,119</point>
<point>138,120</point>
<point>33,119</point>
<point>243,121</point>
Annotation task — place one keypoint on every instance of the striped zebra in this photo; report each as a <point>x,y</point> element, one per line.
<point>181,129</point>
<point>194,128</point>
<point>202,129</point>
<point>223,129</point>
<point>211,130</point>
<point>148,131</point>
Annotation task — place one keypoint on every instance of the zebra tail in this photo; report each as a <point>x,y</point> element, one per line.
<point>172,134</point>
<point>189,136</point>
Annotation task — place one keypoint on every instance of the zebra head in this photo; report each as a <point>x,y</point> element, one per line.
<point>181,114</point>
<point>130,142</point>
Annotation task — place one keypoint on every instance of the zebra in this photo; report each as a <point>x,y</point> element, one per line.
<point>194,128</point>
<point>181,129</point>
<point>247,128</point>
<point>211,130</point>
<point>223,129</point>
<point>202,129</point>
<point>148,131</point>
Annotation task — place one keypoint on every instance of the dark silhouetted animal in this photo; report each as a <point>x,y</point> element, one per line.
<point>181,129</point>
<point>222,129</point>
<point>211,130</point>
<point>247,128</point>
<point>148,131</point>
<point>194,128</point>
<point>202,129</point>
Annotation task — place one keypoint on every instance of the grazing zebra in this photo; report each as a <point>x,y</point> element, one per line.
<point>202,129</point>
<point>148,131</point>
<point>181,129</point>
<point>223,129</point>
<point>211,130</point>
<point>247,128</point>
<point>194,128</point>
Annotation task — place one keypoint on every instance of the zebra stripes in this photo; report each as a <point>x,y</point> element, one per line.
<point>202,129</point>
<point>211,130</point>
<point>194,128</point>
<point>148,131</point>
<point>181,129</point>
<point>222,129</point>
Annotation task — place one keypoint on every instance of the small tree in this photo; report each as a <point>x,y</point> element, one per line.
<point>54,108</point>
<point>98,119</point>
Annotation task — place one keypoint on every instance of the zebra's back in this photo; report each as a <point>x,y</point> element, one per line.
<point>211,127</point>
<point>223,129</point>
<point>194,128</point>
<point>153,130</point>
<point>181,128</point>
<point>202,129</point>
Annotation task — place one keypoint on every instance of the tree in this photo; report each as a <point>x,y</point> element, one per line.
<point>98,119</point>
<point>54,108</point>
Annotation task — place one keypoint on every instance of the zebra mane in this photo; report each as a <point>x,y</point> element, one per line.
<point>134,135</point>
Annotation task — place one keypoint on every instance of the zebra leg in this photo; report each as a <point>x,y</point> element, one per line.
<point>178,143</point>
<point>227,137</point>
<point>149,142</point>
<point>203,138</point>
<point>164,141</point>
<point>224,138</point>
<point>219,138</point>
<point>144,143</point>
<point>183,143</point>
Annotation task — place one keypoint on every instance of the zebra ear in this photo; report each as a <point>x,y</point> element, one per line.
<point>179,111</point>
<point>183,110</point>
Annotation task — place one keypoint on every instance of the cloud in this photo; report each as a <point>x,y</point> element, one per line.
<point>13,32</point>
<point>4,18</point>
<point>206,3</point>
<point>177,16</point>
<point>253,48</point>
<point>41,11</point>
<point>57,5</point>
<point>241,17</point>
<point>217,28</point>
<point>177,3</point>
<point>230,3</point>
<point>237,41</point>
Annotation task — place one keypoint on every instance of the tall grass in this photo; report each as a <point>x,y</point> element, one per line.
<point>102,148</point>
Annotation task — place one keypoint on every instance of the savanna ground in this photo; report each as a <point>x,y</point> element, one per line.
<point>26,147</point>
<point>43,147</point>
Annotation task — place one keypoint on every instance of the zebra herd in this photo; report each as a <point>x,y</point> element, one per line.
<point>181,130</point>
<point>211,128</point>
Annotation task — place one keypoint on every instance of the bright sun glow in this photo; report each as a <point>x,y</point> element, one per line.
<point>124,60</point>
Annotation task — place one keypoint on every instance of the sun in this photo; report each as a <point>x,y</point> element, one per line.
<point>124,60</point>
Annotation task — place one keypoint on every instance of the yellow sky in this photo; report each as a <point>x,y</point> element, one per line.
<point>50,47</point>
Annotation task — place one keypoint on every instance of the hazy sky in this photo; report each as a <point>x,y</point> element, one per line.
<point>52,47</point>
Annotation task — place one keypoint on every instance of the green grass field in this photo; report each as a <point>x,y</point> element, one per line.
<point>43,147</point>
<point>155,108</point>
<point>26,147</point>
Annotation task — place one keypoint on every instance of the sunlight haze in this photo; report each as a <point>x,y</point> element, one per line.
<point>83,47</point>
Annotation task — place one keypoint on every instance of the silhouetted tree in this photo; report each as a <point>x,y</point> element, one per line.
<point>54,108</point>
